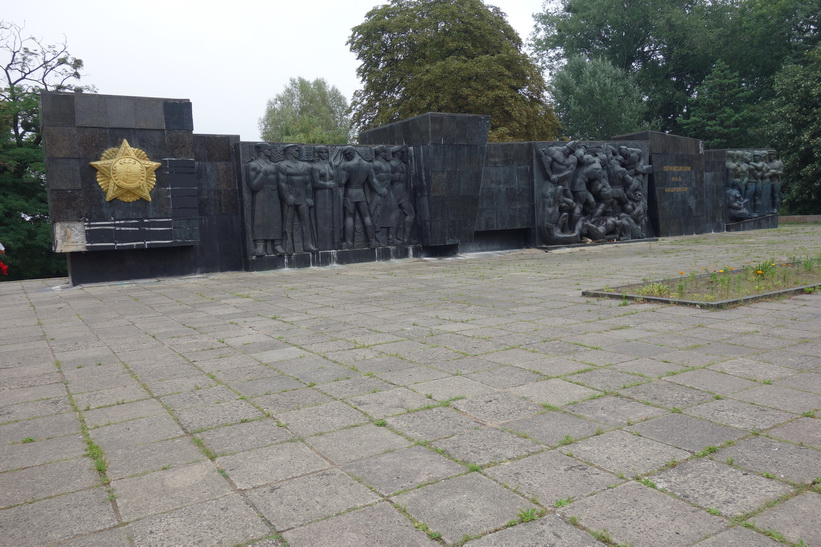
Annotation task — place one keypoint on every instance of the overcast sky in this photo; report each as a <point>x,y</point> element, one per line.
<point>227,57</point>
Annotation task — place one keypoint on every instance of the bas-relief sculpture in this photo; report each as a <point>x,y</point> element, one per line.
<point>331,203</point>
<point>753,183</point>
<point>592,193</point>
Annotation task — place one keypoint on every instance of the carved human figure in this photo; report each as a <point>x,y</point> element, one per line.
<point>775,169</point>
<point>295,188</point>
<point>355,173</point>
<point>758,174</point>
<point>383,208</point>
<point>266,219</point>
<point>401,190</point>
<point>589,179</point>
<point>736,205</point>
<point>559,162</point>
<point>557,207</point>
<point>324,214</point>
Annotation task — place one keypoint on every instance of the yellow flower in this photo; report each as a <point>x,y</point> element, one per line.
<point>682,273</point>
<point>720,271</point>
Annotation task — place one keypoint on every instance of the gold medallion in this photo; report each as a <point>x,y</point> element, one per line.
<point>126,173</point>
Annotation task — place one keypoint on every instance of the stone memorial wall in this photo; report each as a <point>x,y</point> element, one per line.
<point>135,193</point>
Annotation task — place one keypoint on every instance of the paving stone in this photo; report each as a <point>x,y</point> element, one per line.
<point>738,536</point>
<point>554,427</point>
<point>431,424</point>
<point>39,428</point>
<point>267,386</point>
<point>121,413</point>
<point>314,369</point>
<point>487,445</point>
<point>205,417</point>
<point>551,476</point>
<point>224,521</point>
<point>449,388</point>
<point>689,357</point>
<point>549,530</point>
<point>200,397</point>
<point>648,367</point>
<point>796,519</point>
<point>667,394</point>
<point>177,385</point>
<point>28,394</point>
<point>622,452</point>
<point>465,365</point>
<point>806,431</point>
<point>135,432</point>
<point>274,463</point>
<point>499,407</point>
<point>783,460</point>
<point>555,392</point>
<point>153,456</point>
<point>710,484</point>
<point>754,370</point>
<point>16,456</point>
<point>555,366</point>
<point>379,524</point>
<point>34,409</point>
<point>715,382</point>
<point>641,516</point>
<point>112,537</point>
<point>442,506</point>
<point>412,375</point>
<point>614,411</point>
<point>355,443</point>
<point>43,481</point>
<point>58,518</point>
<point>402,469</point>
<point>782,398</point>
<point>505,377</point>
<point>345,389</point>
<point>244,436</point>
<point>687,432</point>
<point>605,379</point>
<point>291,400</point>
<point>298,501</point>
<point>138,497</point>
<point>740,414</point>
<point>322,418</point>
<point>602,357</point>
<point>808,381</point>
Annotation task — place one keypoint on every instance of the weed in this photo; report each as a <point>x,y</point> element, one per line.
<point>474,467</point>
<point>713,511</point>
<point>767,382</point>
<point>380,423</point>
<point>574,520</point>
<point>647,482</point>
<point>768,475</point>
<point>808,414</point>
<point>730,461</point>
<point>526,515</point>
<point>675,410</point>
<point>603,536</point>
<point>27,440</point>
<point>707,450</point>
<point>207,452</point>
<point>566,440</point>
<point>562,502</point>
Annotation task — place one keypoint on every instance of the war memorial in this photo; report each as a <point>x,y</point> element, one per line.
<point>197,382</point>
<point>135,193</point>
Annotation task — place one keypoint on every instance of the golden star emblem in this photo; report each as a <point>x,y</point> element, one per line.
<point>126,173</point>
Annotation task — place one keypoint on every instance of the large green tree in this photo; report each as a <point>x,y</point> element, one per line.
<point>794,125</point>
<point>595,100</point>
<point>307,112</point>
<point>28,66</point>
<point>721,113</point>
<point>458,56</point>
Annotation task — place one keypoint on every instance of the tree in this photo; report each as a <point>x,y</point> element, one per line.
<point>28,66</point>
<point>307,112</point>
<point>721,113</point>
<point>457,56</point>
<point>594,100</point>
<point>668,45</point>
<point>794,125</point>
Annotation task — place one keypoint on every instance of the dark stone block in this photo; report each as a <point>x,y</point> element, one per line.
<point>121,111</point>
<point>149,113</point>
<point>116,136</point>
<point>92,142</point>
<point>60,142</point>
<point>90,110</point>
<point>99,232</point>
<point>150,141</point>
<point>180,144</point>
<point>122,265</point>
<point>178,115</point>
<point>218,148</point>
<point>57,108</point>
<point>63,174</point>
<point>226,176</point>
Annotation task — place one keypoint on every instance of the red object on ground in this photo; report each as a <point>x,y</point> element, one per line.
<point>4,269</point>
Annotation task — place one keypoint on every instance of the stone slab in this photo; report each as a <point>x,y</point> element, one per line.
<point>740,414</point>
<point>498,407</point>
<point>374,525</point>
<point>549,530</point>
<point>785,461</point>
<point>355,443</point>
<point>712,381</point>
<point>274,463</point>
<point>442,506</point>
<point>738,536</point>
<point>403,469</point>
<point>244,436</point>
<point>614,411</point>
<point>641,516</point>
<point>555,392</point>
<point>321,418</point>
<point>486,445</point>
<point>433,423</point>
<point>555,427</point>
<point>44,481</point>
<point>667,394</point>
<point>623,453</point>
<point>711,484</point>
<point>686,432</point>
<point>803,431</point>
<point>796,519</point>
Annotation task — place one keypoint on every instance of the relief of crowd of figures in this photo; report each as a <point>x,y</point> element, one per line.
<point>592,193</point>
<point>753,183</point>
<point>303,199</point>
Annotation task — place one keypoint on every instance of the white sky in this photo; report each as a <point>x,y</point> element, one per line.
<point>227,57</point>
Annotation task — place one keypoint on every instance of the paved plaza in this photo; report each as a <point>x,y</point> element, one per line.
<point>477,400</point>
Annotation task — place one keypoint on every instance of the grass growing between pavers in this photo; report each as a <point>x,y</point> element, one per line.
<point>721,287</point>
